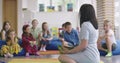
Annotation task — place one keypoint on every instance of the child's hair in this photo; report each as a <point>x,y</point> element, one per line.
<point>108,23</point>
<point>4,24</point>
<point>34,20</point>
<point>8,33</point>
<point>24,28</point>
<point>67,24</point>
<point>63,25</point>
<point>43,30</point>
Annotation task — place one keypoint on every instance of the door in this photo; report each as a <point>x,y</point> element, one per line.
<point>10,12</point>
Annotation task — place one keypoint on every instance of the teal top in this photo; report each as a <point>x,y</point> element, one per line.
<point>36,32</point>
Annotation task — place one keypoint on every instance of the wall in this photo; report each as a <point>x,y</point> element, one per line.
<point>0,14</point>
<point>20,18</point>
<point>117,19</point>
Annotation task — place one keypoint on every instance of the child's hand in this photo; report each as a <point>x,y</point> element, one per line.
<point>44,39</point>
<point>34,42</point>
<point>47,39</point>
<point>31,42</point>
<point>62,39</point>
<point>65,50</point>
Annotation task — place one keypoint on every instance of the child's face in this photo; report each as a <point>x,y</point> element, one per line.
<point>12,34</point>
<point>27,30</point>
<point>35,23</point>
<point>68,28</point>
<point>7,26</point>
<point>106,27</point>
<point>46,26</point>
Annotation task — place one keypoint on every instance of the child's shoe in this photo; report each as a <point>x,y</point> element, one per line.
<point>27,55</point>
<point>109,54</point>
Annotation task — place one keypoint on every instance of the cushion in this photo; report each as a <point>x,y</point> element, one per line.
<point>54,45</point>
<point>115,52</point>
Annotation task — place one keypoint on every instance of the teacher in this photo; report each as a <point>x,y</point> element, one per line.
<point>86,51</point>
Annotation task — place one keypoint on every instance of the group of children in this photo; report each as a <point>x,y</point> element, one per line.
<point>33,39</point>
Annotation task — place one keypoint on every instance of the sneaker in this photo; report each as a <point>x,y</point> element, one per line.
<point>109,54</point>
<point>6,55</point>
<point>10,55</point>
<point>27,55</point>
<point>101,62</point>
<point>41,49</point>
<point>44,49</point>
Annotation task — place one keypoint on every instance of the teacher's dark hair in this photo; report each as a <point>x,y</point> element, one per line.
<point>87,14</point>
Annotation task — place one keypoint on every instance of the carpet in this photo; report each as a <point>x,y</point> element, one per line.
<point>34,61</point>
<point>49,52</point>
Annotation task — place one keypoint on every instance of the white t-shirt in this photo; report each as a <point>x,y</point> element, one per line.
<point>111,35</point>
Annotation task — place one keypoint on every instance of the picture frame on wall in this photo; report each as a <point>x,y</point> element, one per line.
<point>41,7</point>
<point>70,7</point>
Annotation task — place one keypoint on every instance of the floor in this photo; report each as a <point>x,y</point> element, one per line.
<point>114,59</point>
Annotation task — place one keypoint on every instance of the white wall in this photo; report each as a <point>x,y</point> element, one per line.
<point>20,18</point>
<point>117,19</point>
<point>24,3</point>
<point>32,5</point>
<point>0,14</point>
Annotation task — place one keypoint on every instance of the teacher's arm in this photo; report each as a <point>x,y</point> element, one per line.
<point>79,48</point>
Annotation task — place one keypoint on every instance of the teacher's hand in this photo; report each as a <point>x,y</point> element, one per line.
<point>66,51</point>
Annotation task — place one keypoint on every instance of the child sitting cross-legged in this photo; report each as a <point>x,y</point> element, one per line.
<point>12,46</point>
<point>70,37</point>
<point>29,43</point>
<point>108,36</point>
<point>46,36</point>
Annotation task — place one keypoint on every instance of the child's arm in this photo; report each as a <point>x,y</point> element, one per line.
<point>8,43</point>
<point>3,35</point>
<point>50,38</point>
<point>25,40</point>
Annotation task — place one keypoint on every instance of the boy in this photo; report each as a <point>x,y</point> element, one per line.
<point>109,38</point>
<point>70,37</point>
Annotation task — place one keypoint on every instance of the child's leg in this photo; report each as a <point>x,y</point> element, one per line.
<point>100,45</point>
<point>44,48</point>
<point>41,48</point>
<point>109,46</point>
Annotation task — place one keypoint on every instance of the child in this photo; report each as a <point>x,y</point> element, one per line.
<point>29,43</point>
<point>11,46</point>
<point>35,31</point>
<point>70,37</point>
<point>109,38</point>
<point>63,31</point>
<point>5,28</point>
<point>46,36</point>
